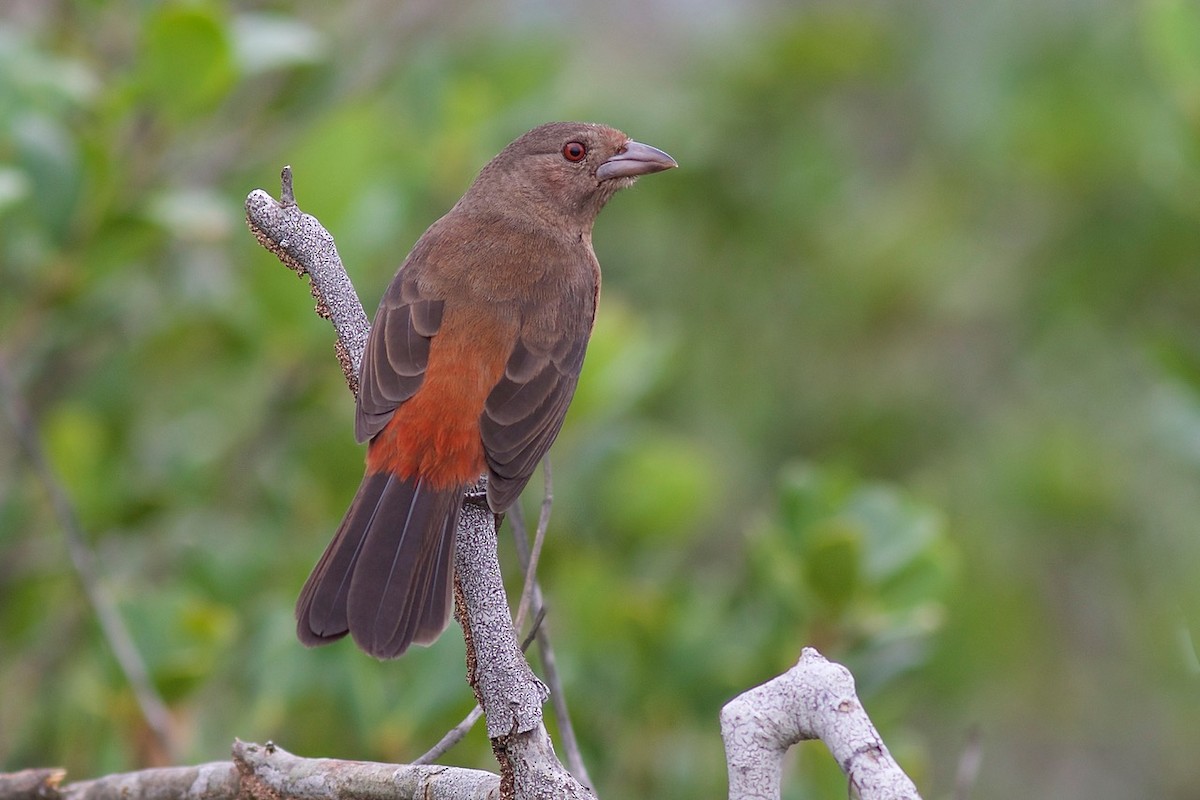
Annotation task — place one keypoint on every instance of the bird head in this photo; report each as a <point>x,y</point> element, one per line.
<point>564,172</point>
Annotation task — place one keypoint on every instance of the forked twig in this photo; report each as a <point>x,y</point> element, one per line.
<point>528,557</point>
<point>451,737</point>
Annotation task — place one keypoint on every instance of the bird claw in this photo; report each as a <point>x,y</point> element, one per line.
<point>476,497</point>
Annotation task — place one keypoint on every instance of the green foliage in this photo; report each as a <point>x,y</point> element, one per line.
<point>901,363</point>
<point>186,61</point>
<point>865,569</point>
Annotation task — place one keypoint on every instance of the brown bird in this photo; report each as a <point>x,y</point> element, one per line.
<point>472,360</point>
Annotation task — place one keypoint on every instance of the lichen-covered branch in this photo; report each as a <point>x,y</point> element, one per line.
<point>302,244</point>
<point>509,693</point>
<point>268,772</point>
<point>262,772</point>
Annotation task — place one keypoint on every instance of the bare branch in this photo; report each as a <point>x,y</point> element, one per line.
<point>216,780</point>
<point>31,784</point>
<point>530,563</point>
<point>537,771</point>
<point>270,773</point>
<point>813,700</point>
<point>263,772</point>
<point>452,737</point>
<point>303,245</point>
<point>153,709</point>
<point>511,695</point>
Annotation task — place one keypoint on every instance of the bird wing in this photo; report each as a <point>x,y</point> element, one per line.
<point>525,410</point>
<point>396,355</point>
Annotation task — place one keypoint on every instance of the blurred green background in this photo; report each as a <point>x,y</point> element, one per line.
<point>903,362</point>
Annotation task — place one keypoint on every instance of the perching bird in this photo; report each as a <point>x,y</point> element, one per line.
<point>472,360</point>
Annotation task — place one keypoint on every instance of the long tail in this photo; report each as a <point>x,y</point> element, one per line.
<point>385,577</point>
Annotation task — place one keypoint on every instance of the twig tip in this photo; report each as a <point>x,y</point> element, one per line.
<point>287,195</point>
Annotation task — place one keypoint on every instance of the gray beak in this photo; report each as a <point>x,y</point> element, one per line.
<point>636,159</point>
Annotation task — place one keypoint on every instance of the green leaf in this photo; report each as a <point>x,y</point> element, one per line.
<point>1172,31</point>
<point>663,486</point>
<point>832,560</point>
<point>626,359</point>
<point>187,63</point>
<point>77,444</point>
<point>49,157</point>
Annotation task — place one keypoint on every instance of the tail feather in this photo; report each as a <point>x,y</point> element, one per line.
<point>385,577</point>
<point>321,609</point>
<point>428,600</point>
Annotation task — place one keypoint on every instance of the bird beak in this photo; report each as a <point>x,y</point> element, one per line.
<point>636,159</point>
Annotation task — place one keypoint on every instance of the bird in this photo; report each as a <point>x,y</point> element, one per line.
<point>472,359</point>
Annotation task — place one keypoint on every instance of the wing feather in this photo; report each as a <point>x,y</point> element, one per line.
<point>396,356</point>
<point>525,411</point>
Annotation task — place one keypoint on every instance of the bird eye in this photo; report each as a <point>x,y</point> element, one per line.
<point>574,151</point>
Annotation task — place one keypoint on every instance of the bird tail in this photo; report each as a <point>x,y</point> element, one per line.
<point>385,577</point>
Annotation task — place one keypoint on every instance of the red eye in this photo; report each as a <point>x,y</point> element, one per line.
<point>574,151</point>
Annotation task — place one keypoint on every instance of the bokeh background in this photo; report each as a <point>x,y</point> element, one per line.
<point>903,362</point>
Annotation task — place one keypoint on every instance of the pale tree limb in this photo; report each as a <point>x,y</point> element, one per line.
<point>112,625</point>
<point>262,772</point>
<point>217,780</point>
<point>506,688</point>
<point>31,784</point>
<point>813,700</point>
<point>303,245</point>
<point>269,772</point>
<point>508,691</point>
